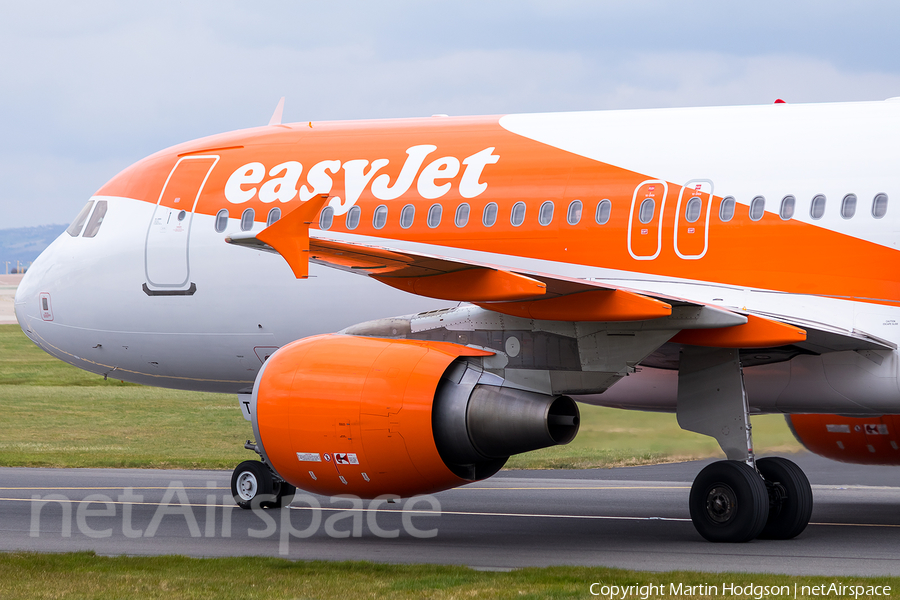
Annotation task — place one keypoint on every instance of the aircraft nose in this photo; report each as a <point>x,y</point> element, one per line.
<point>27,299</point>
<point>34,297</point>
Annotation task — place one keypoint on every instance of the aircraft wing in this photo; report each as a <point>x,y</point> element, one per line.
<point>543,296</point>
<point>553,297</point>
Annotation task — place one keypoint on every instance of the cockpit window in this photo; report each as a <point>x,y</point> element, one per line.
<point>75,228</point>
<point>96,221</point>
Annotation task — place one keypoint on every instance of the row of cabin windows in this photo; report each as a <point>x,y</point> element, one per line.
<point>694,207</point>
<point>461,217</point>
<point>247,218</point>
<point>646,212</point>
<point>788,203</point>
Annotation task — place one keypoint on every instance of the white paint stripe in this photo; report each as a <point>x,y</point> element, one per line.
<point>441,513</point>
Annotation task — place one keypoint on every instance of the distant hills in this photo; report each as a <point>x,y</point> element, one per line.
<point>23,244</point>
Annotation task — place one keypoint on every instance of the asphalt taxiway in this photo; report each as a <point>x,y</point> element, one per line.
<point>634,517</point>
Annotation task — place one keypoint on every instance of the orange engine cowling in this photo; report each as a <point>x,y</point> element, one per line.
<point>860,440</point>
<point>338,414</point>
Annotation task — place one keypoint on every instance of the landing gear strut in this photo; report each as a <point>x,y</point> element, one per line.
<point>742,498</point>
<point>253,484</point>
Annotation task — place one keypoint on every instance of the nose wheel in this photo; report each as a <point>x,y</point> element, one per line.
<point>254,485</point>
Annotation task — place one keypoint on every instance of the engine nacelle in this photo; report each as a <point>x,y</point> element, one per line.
<point>337,414</point>
<point>860,440</point>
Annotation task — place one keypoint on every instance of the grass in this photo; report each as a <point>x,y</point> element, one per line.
<point>59,416</point>
<point>85,575</point>
<point>614,438</point>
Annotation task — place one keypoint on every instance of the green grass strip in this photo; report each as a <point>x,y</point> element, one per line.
<point>56,415</point>
<point>85,575</point>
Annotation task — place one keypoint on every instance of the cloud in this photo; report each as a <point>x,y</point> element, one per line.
<point>86,90</point>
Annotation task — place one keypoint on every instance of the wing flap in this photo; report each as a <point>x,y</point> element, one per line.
<point>595,305</point>
<point>757,332</point>
<point>476,284</point>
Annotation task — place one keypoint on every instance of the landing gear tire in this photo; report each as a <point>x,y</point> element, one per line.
<point>790,498</point>
<point>284,495</point>
<point>729,502</point>
<point>250,481</point>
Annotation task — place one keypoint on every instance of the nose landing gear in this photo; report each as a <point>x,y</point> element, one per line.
<point>255,485</point>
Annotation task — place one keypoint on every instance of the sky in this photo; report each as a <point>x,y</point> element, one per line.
<point>88,88</point>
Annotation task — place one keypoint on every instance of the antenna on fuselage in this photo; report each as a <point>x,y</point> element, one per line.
<point>276,116</point>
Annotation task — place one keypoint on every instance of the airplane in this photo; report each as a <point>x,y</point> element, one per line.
<point>401,305</point>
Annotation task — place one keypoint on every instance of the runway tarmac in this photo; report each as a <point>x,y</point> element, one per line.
<point>633,518</point>
<point>8,285</point>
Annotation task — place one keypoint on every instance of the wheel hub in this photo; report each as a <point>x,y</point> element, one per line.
<point>247,486</point>
<point>721,503</point>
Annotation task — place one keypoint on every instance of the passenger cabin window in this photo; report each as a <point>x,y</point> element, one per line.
<point>879,206</point>
<point>726,209</point>
<point>757,208</point>
<point>379,218</point>
<point>489,217</point>
<point>462,215</point>
<point>573,215</point>
<point>96,221</point>
<point>407,216</point>
<point>604,209</point>
<point>848,206</point>
<point>273,217</point>
<point>221,220</point>
<point>434,215</point>
<point>817,207</point>
<point>352,218</point>
<point>787,208</point>
<point>693,209</point>
<point>326,218</point>
<point>545,214</point>
<point>517,214</point>
<point>75,228</point>
<point>247,220</point>
<point>648,207</point>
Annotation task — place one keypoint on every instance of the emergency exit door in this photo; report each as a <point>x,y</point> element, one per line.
<point>645,220</point>
<point>692,219</point>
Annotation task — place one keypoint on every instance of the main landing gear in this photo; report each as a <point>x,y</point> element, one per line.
<point>740,499</point>
<point>255,485</point>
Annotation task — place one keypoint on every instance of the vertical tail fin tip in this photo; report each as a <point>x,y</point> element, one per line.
<point>276,116</point>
